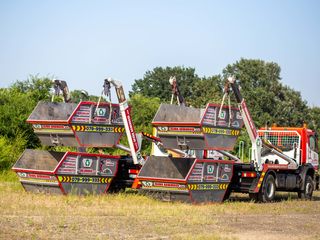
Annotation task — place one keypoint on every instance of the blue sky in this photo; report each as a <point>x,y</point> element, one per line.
<point>84,42</point>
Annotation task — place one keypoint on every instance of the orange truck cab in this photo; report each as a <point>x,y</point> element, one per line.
<point>299,143</point>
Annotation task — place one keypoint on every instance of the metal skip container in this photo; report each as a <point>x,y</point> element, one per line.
<point>85,124</point>
<point>182,127</point>
<point>192,179</point>
<point>66,172</point>
<point>69,124</point>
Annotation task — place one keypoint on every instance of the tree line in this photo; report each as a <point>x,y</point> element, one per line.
<point>268,100</point>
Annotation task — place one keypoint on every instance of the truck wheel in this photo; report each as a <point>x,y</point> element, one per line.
<point>308,189</point>
<point>268,189</point>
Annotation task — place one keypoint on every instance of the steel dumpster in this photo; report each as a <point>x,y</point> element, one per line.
<point>85,124</point>
<point>186,179</point>
<point>181,127</point>
<point>66,172</point>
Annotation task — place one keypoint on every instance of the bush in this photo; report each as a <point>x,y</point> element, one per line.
<point>10,150</point>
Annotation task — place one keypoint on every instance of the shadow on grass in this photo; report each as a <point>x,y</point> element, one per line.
<point>280,196</point>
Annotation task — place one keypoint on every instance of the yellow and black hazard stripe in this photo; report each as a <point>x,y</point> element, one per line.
<point>105,180</point>
<point>64,178</point>
<point>119,129</point>
<point>82,179</point>
<point>208,186</point>
<point>221,131</point>
<point>192,186</point>
<point>78,128</point>
<point>97,128</point>
<point>260,181</point>
<point>223,186</point>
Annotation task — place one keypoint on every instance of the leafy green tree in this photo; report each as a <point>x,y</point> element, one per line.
<point>314,118</point>
<point>291,109</point>
<point>15,107</point>
<point>155,83</point>
<point>206,90</point>
<point>267,98</point>
<point>80,95</point>
<point>10,150</point>
<point>142,112</point>
<point>17,103</point>
<point>37,88</point>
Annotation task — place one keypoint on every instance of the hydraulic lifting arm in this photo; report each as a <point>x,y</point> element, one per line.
<point>176,92</point>
<point>60,85</point>
<point>126,116</point>
<point>158,143</point>
<point>256,141</point>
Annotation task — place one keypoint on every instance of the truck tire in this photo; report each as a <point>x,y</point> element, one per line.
<point>307,191</point>
<point>268,189</point>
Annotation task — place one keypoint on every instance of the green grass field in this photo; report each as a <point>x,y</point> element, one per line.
<point>133,216</point>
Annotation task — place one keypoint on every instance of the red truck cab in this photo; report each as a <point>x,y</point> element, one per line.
<point>300,143</point>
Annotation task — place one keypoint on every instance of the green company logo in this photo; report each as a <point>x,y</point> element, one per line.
<point>87,162</point>
<point>101,111</point>
<point>210,169</point>
<point>222,115</point>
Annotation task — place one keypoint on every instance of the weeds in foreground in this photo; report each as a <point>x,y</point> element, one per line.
<point>129,215</point>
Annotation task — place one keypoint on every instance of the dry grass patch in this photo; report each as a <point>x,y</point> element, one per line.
<point>133,216</point>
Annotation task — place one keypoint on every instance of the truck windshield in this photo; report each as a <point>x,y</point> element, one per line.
<point>286,141</point>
